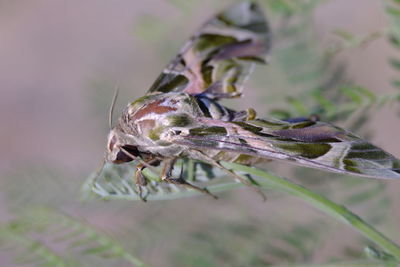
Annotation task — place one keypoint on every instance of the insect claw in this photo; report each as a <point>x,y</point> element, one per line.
<point>206,191</point>
<point>258,191</point>
<point>264,197</point>
<point>142,198</point>
<point>183,182</point>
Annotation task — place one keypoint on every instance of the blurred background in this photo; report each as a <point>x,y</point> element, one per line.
<point>60,62</point>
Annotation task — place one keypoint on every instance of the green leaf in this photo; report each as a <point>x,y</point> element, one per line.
<point>370,95</point>
<point>379,255</point>
<point>298,106</point>
<point>280,114</point>
<point>396,83</point>
<point>393,11</point>
<point>281,7</point>
<point>394,40</point>
<point>50,223</point>
<point>344,35</point>
<point>337,211</point>
<point>29,249</point>
<point>325,103</point>
<point>395,63</point>
<point>350,93</point>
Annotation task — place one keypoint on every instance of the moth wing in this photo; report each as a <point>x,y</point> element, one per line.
<point>314,144</point>
<point>217,60</point>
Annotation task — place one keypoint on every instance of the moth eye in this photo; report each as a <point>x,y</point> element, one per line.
<point>122,157</point>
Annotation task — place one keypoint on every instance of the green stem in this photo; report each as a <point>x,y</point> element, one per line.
<point>190,168</point>
<point>339,212</point>
<point>134,261</point>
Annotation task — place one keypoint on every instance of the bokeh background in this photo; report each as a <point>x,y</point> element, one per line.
<point>59,64</point>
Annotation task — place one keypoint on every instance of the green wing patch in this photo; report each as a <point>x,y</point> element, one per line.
<point>314,144</point>
<point>217,60</point>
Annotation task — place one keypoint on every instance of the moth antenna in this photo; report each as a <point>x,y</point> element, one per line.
<point>144,163</point>
<point>100,167</point>
<point>111,111</point>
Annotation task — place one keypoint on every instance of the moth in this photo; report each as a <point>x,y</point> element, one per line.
<point>181,117</point>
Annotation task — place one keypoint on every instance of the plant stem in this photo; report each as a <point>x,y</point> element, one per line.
<point>133,260</point>
<point>339,212</point>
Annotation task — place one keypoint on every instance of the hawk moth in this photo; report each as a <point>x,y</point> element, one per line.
<point>181,117</point>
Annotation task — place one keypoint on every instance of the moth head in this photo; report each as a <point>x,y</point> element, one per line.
<point>118,151</point>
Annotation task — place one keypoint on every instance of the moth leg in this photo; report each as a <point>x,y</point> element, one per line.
<point>167,173</point>
<point>244,181</point>
<point>207,159</point>
<point>140,179</point>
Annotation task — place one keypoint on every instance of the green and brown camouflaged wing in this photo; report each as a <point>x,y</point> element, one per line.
<point>217,60</point>
<point>314,144</point>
